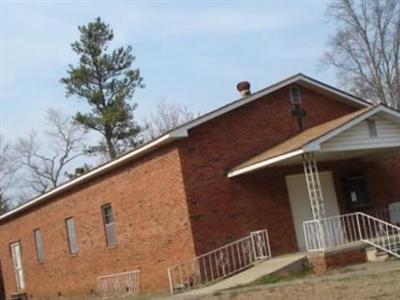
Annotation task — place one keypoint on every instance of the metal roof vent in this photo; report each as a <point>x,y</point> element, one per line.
<point>244,88</point>
<point>79,172</point>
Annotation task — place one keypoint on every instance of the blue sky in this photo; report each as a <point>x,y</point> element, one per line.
<point>190,52</point>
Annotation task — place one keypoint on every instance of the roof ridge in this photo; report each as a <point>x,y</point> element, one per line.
<point>182,132</point>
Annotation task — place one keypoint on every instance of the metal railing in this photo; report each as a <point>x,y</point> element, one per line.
<point>118,285</point>
<point>220,263</point>
<point>337,231</point>
<point>389,215</point>
<point>380,234</point>
<point>331,232</point>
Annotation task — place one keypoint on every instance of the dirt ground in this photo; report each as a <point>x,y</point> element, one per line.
<point>371,281</point>
<point>344,286</point>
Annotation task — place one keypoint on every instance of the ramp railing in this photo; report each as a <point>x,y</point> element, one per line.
<point>118,285</point>
<point>220,263</point>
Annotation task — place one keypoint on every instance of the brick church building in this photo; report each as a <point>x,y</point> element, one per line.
<point>202,185</point>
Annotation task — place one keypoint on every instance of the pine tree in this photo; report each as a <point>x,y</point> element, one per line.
<point>107,81</point>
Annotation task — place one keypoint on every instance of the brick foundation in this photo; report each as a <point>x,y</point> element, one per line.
<point>321,262</point>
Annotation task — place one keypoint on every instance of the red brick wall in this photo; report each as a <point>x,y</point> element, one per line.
<point>223,209</point>
<point>383,177</point>
<point>2,291</point>
<point>172,204</point>
<point>383,180</point>
<point>320,263</point>
<point>152,226</point>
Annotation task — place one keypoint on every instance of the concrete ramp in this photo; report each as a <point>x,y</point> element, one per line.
<point>290,262</point>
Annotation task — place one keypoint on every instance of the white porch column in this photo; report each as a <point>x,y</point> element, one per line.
<point>314,186</point>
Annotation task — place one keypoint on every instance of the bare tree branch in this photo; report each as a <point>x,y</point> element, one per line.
<point>365,48</point>
<point>166,117</point>
<point>44,168</point>
<point>7,174</point>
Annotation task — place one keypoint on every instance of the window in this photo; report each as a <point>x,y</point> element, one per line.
<point>17,262</point>
<point>357,191</point>
<point>39,245</point>
<point>109,225</point>
<point>71,233</point>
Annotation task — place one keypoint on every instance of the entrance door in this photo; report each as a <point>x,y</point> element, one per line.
<point>17,261</point>
<point>300,202</point>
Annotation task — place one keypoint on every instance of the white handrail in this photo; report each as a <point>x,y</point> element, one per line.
<point>219,263</point>
<point>332,232</point>
<point>380,234</point>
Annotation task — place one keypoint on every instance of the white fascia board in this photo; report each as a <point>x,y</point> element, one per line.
<point>335,91</point>
<point>264,163</point>
<point>114,163</point>
<point>394,114</point>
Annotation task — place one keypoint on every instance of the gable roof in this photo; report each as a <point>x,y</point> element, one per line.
<point>182,132</point>
<point>308,140</point>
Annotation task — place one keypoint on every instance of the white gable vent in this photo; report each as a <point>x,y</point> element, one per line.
<point>295,95</point>
<point>373,132</point>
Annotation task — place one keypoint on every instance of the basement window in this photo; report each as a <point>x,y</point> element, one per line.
<point>37,234</point>
<point>71,233</point>
<point>109,225</point>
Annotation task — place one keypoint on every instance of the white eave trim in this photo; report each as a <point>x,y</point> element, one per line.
<point>101,169</point>
<point>333,90</point>
<point>264,163</point>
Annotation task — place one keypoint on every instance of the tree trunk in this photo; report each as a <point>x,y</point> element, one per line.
<point>110,146</point>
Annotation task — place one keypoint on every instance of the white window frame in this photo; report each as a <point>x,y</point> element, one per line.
<point>16,254</point>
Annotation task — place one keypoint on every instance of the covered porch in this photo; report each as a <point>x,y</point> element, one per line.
<point>349,177</point>
<point>318,192</point>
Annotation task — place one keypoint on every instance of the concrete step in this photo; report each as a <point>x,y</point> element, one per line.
<point>291,263</point>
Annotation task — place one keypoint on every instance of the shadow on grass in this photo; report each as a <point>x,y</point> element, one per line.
<point>281,276</point>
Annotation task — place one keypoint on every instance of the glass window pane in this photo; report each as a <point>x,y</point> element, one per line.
<point>109,225</point>
<point>39,245</point>
<point>110,231</point>
<point>72,241</point>
<point>108,218</point>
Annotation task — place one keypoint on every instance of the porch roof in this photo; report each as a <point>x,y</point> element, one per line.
<point>309,140</point>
